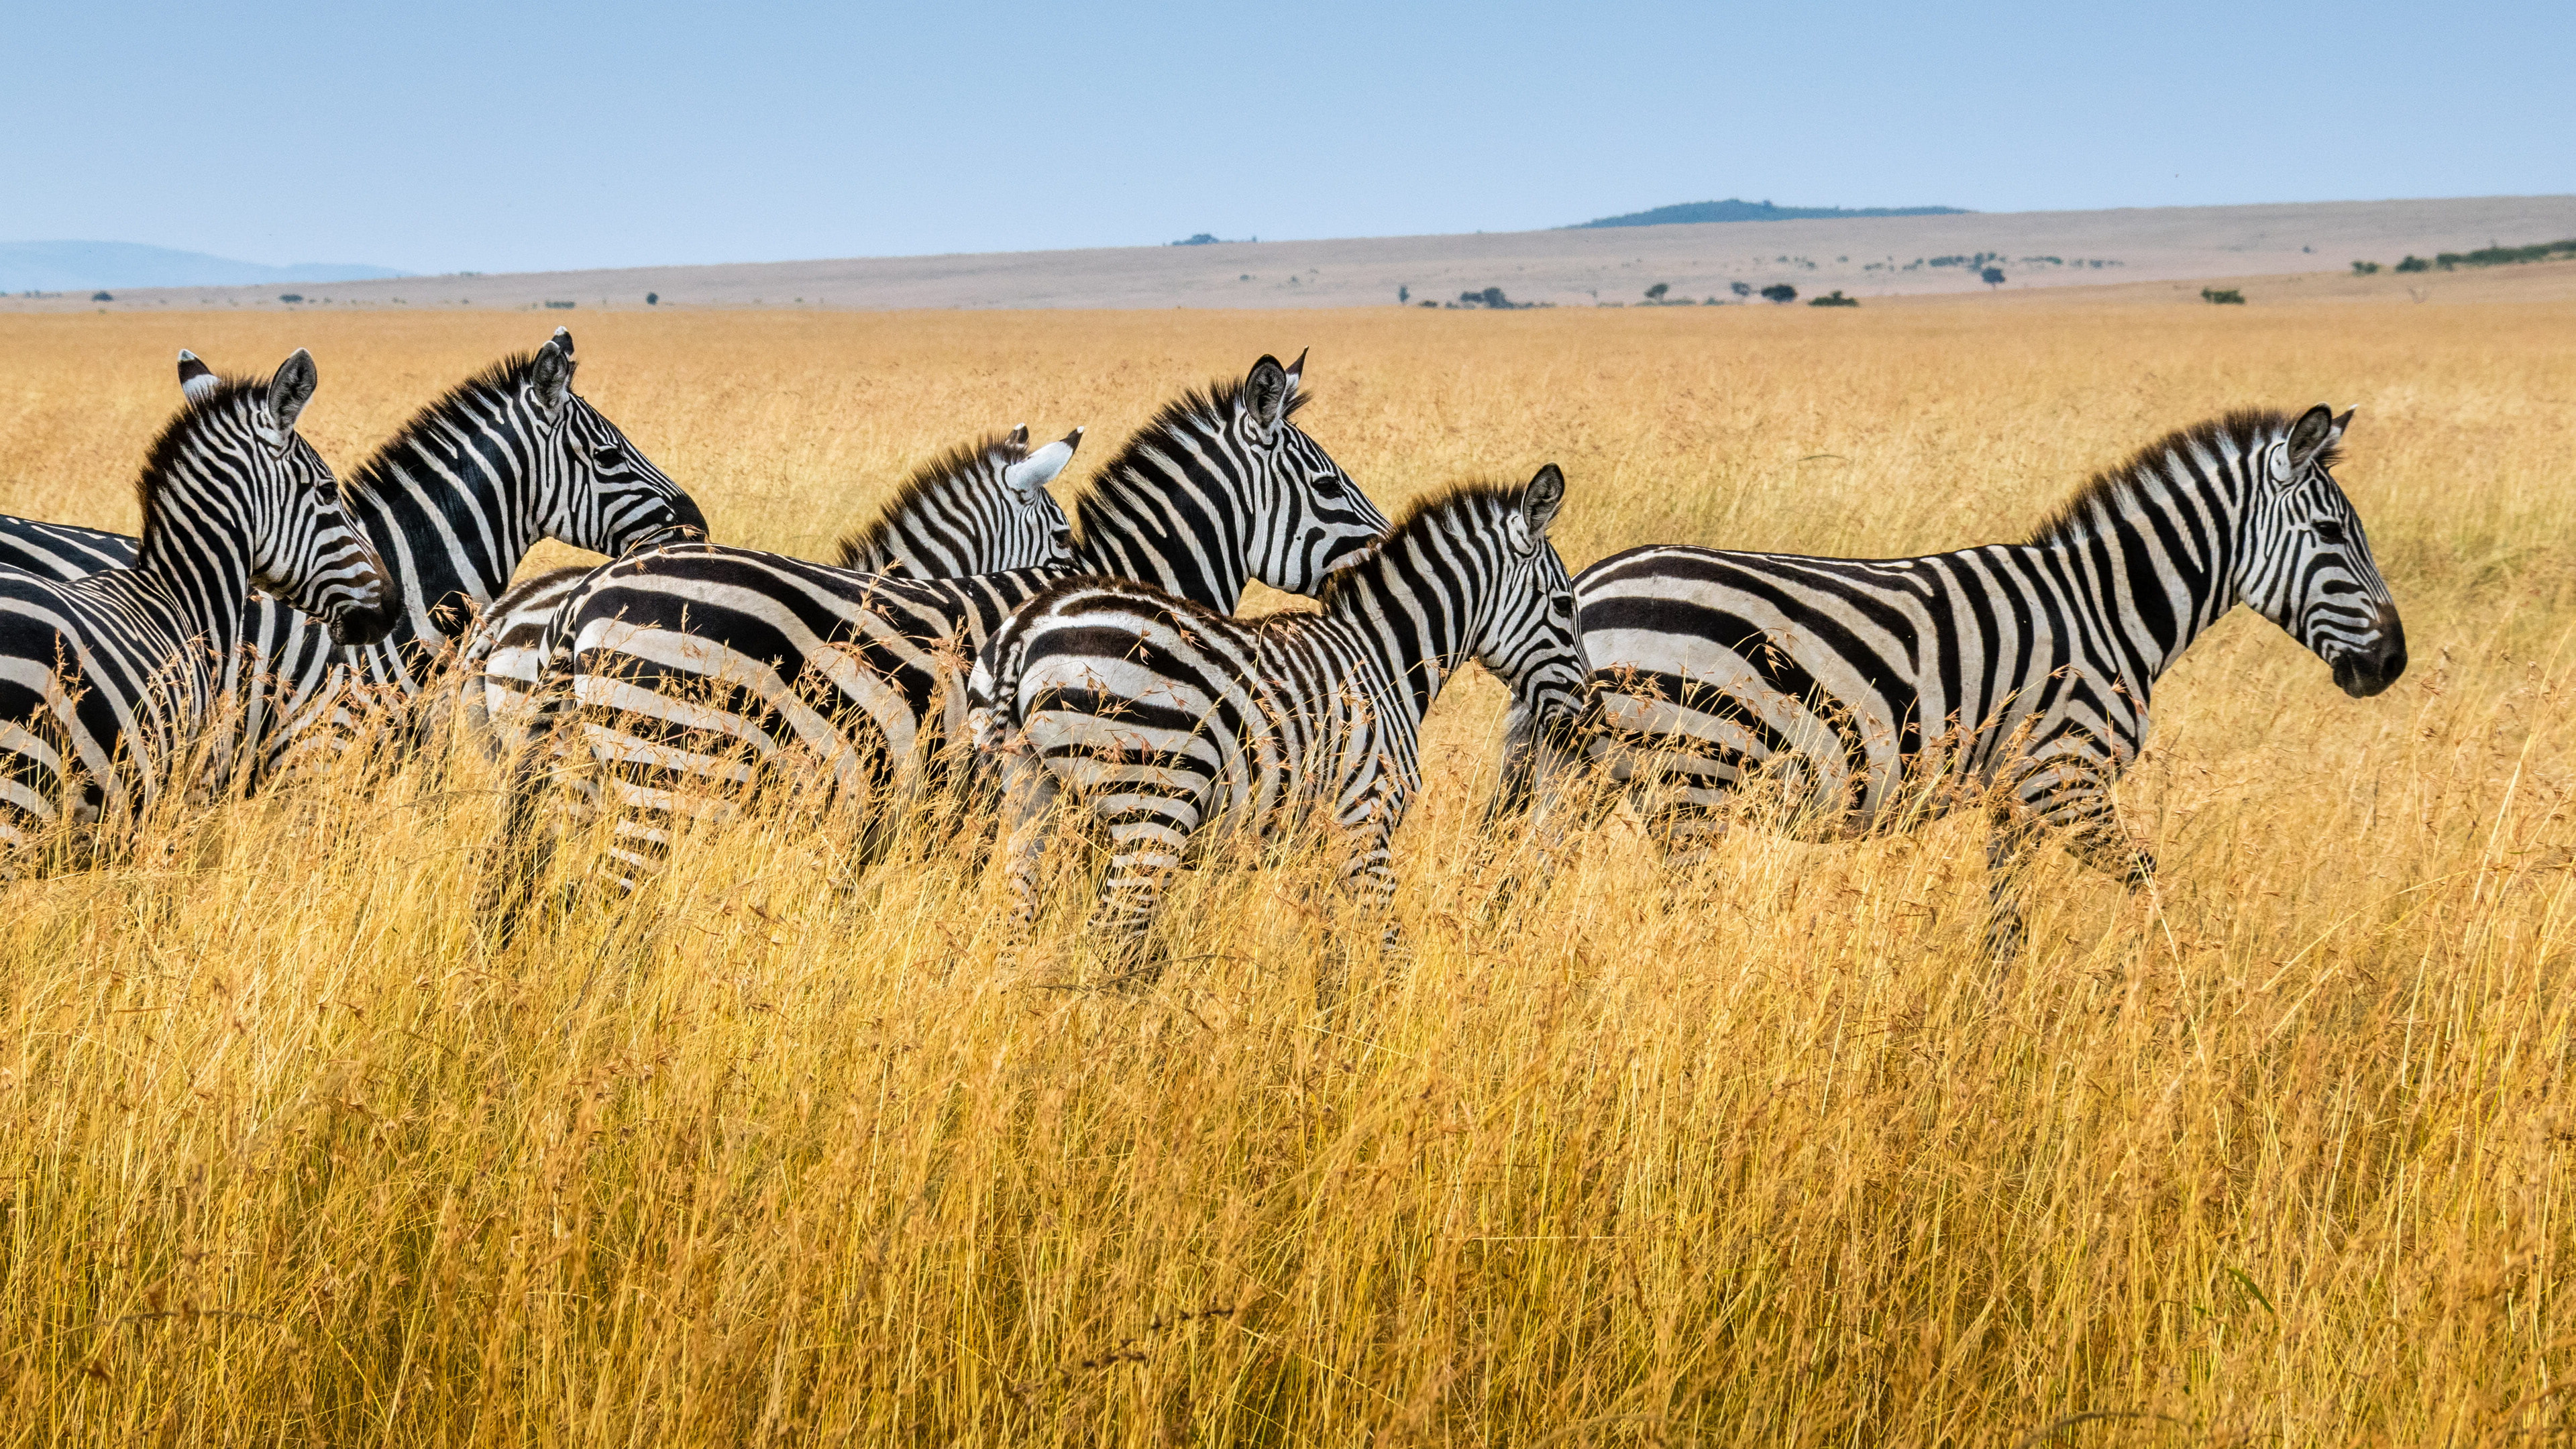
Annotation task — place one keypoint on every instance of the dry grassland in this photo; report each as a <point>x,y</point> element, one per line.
<point>1760,1154</point>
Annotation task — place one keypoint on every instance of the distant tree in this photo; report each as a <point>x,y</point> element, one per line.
<point>652,299</point>
<point>1656,292</point>
<point>2222,297</point>
<point>1992,276</point>
<point>2365,269</point>
<point>1741,289</point>
<point>2414,263</point>
<point>290,296</point>
<point>1403,295</point>
<point>102,296</point>
<point>1837,299</point>
<point>1780,292</point>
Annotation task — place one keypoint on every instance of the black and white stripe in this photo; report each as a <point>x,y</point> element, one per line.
<point>1165,720</point>
<point>677,679</point>
<point>974,510</point>
<point>1875,694</point>
<point>106,679</point>
<point>453,503</point>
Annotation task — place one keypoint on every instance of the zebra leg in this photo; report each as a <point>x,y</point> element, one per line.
<point>1029,792</point>
<point>1369,871</point>
<point>1145,851</point>
<point>520,856</point>
<point>2008,852</point>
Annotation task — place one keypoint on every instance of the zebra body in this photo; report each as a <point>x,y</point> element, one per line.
<point>107,679</point>
<point>692,671</point>
<point>1877,694</point>
<point>452,503</point>
<point>1166,720</point>
<point>972,510</point>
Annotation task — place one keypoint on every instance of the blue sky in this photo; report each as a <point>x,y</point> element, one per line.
<point>496,137</point>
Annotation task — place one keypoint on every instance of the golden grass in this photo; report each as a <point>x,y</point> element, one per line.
<point>777,1152</point>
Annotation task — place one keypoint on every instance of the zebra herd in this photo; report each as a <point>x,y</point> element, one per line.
<point>973,647</point>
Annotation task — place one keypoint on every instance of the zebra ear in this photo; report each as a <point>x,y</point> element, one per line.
<point>2340,425</point>
<point>550,376</point>
<point>1020,436</point>
<point>2310,435</point>
<point>1267,390</point>
<point>1540,502</point>
<point>197,382</point>
<point>287,394</point>
<point>1032,474</point>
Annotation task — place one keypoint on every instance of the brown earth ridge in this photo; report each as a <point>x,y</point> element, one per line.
<point>1867,257</point>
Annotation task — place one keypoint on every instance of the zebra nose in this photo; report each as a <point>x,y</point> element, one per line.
<point>2368,670</point>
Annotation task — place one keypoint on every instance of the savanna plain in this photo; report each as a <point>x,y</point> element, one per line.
<point>1759,1151</point>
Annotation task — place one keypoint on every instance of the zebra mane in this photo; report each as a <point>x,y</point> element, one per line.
<point>503,377</point>
<point>950,470</point>
<point>1215,405</point>
<point>2238,433</point>
<point>177,434</point>
<point>1427,514</point>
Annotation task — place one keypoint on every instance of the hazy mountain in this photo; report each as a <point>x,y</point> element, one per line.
<point>1733,210</point>
<point>67,266</point>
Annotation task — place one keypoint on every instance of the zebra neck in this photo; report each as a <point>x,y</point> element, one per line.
<point>449,517</point>
<point>205,572</point>
<point>2156,574</point>
<point>1412,645</point>
<point>1183,566</point>
<point>1173,514</point>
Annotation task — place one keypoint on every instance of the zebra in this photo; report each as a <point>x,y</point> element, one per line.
<point>1878,694</point>
<point>106,679</point>
<point>693,672</point>
<point>452,503</point>
<point>1164,719</point>
<point>978,509</point>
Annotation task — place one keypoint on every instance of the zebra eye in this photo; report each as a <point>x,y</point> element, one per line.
<point>2329,532</point>
<point>607,455</point>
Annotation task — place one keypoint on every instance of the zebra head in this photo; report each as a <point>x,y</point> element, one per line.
<point>1310,518</point>
<point>981,509</point>
<point>592,487</point>
<point>1527,636</point>
<point>303,545</point>
<point>2306,564</point>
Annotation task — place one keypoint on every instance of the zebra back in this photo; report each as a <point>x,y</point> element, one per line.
<point>981,508</point>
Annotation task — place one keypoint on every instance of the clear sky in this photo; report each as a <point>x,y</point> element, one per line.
<point>504,137</point>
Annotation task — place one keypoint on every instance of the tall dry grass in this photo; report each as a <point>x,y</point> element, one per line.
<point>779,1151</point>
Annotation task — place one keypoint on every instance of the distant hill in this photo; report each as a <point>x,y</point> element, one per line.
<point>66,266</point>
<point>1734,210</point>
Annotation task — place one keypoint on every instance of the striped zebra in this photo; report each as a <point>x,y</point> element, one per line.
<point>678,679</point>
<point>1164,719</point>
<point>974,510</point>
<point>1877,694</point>
<point>107,679</point>
<point>452,503</point>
